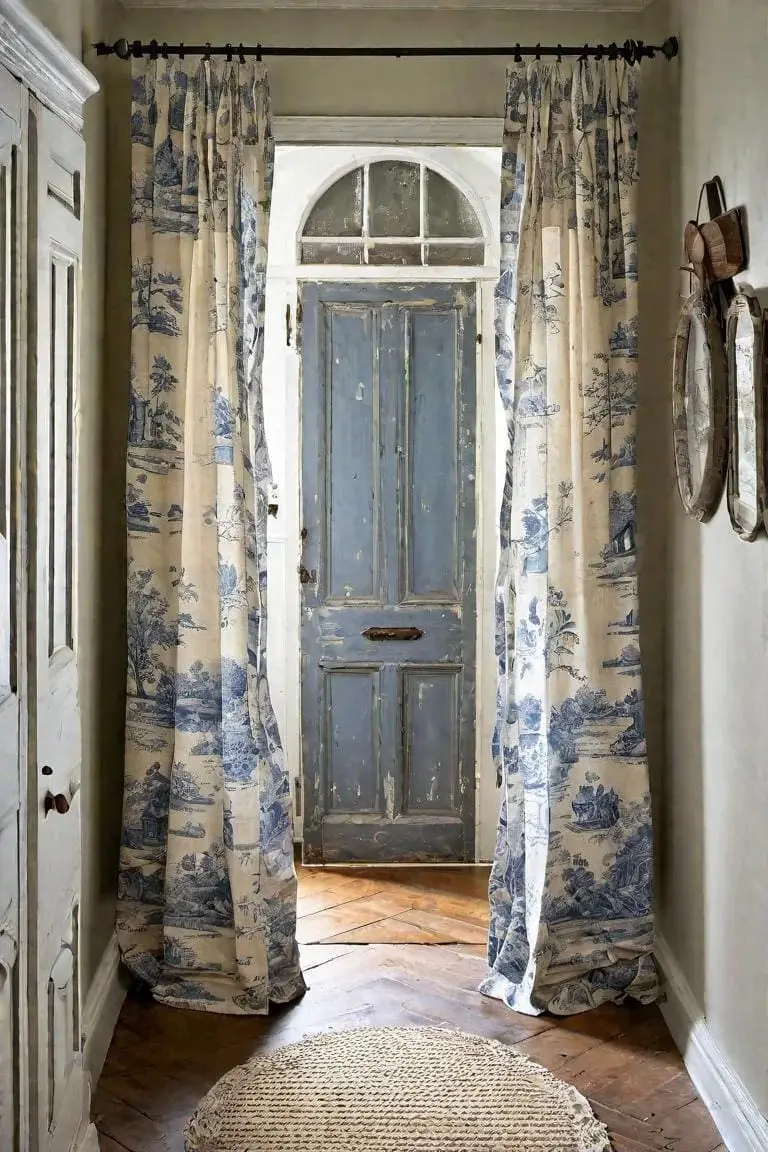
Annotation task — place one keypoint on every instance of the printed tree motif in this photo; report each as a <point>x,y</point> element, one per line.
<point>186,591</point>
<point>165,423</point>
<point>149,628</point>
<point>610,397</point>
<point>537,527</point>
<point>542,293</point>
<point>531,393</point>
<point>156,296</point>
<point>231,596</point>
<point>562,636</point>
<point>633,707</point>
<point>626,457</point>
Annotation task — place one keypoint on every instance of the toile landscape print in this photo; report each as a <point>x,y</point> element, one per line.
<point>571,912</point>
<point>207,887</point>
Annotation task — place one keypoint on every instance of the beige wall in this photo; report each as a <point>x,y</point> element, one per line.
<point>714,892</point>
<point>75,23</point>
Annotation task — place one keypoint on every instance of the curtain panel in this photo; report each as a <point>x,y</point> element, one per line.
<point>207,886</point>
<point>570,890</point>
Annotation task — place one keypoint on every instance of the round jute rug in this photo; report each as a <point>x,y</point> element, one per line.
<point>394,1090</point>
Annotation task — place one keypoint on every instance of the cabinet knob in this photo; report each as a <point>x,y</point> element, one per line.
<point>58,803</point>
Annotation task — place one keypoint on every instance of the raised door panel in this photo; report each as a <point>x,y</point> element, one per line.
<point>430,458</point>
<point>58,164</point>
<point>12,120</point>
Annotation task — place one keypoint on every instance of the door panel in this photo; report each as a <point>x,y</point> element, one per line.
<point>430,461</point>
<point>58,163</point>
<point>12,119</point>
<point>388,572</point>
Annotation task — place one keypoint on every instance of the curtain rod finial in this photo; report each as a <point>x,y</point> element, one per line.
<point>671,47</point>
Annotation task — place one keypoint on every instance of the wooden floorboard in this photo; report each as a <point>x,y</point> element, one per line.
<point>386,947</point>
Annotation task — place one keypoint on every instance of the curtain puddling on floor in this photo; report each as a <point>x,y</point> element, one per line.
<point>207,888</point>
<point>570,890</point>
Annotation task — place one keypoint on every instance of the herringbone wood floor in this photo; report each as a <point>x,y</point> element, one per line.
<point>388,947</point>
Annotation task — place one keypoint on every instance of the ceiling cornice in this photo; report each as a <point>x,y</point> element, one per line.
<point>401,5</point>
<point>31,53</point>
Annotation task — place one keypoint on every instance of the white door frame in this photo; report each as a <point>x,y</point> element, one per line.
<point>475,169</point>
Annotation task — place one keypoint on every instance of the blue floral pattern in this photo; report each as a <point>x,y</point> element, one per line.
<point>570,890</point>
<point>207,888</point>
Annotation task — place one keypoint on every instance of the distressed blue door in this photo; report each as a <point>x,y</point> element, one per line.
<point>388,572</point>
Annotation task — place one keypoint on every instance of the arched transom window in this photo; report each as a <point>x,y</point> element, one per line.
<point>393,212</point>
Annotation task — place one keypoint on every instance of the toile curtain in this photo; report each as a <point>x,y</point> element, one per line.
<point>207,886</point>
<point>570,890</point>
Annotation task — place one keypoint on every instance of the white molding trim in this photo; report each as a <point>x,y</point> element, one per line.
<point>420,131</point>
<point>425,5</point>
<point>31,53</point>
<point>102,1008</point>
<point>741,1123</point>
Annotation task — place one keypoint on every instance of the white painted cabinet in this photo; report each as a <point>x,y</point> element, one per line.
<point>57,155</point>
<point>13,104</point>
<point>44,1095</point>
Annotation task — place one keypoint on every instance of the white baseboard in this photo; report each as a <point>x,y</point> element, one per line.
<point>102,1008</point>
<point>740,1122</point>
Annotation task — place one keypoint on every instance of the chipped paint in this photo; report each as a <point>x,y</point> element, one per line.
<point>389,795</point>
<point>360,393</point>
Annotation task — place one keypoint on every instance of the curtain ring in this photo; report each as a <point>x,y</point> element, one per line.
<point>258,53</point>
<point>137,50</point>
<point>585,53</point>
<point>164,53</point>
<point>538,51</point>
<point>518,57</point>
<point>154,49</point>
<point>207,53</point>
<point>613,51</point>
<point>600,52</point>
<point>229,53</point>
<point>181,51</point>
<point>559,53</point>
<point>242,53</point>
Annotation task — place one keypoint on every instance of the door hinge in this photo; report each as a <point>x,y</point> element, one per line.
<point>479,338</point>
<point>288,329</point>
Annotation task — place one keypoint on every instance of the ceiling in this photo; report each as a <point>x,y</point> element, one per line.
<point>404,5</point>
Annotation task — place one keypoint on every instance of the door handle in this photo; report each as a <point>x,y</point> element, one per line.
<point>393,633</point>
<point>59,803</point>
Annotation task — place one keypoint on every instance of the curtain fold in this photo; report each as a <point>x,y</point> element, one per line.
<point>570,890</point>
<point>207,886</point>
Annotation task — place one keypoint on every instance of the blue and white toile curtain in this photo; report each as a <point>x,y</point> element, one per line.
<point>207,890</point>
<point>570,891</point>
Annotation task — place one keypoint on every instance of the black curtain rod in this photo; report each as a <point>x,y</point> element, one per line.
<point>631,50</point>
